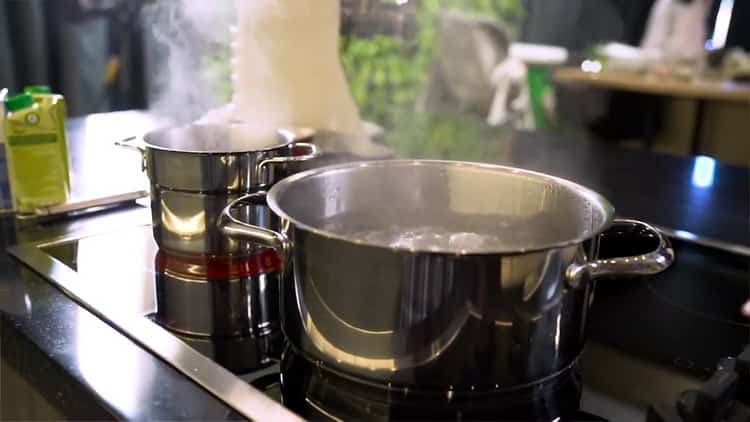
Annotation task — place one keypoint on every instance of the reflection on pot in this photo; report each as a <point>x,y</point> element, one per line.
<point>185,222</point>
<point>316,393</point>
<point>225,307</point>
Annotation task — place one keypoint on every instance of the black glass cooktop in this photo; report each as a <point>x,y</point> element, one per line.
<point>649,339</point>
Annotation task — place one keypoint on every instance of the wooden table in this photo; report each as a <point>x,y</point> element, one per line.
<point>700,90</point>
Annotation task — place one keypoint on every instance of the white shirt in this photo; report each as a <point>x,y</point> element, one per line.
<point>676,31</point>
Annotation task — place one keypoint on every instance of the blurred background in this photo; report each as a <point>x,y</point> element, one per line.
<point>617,71</point>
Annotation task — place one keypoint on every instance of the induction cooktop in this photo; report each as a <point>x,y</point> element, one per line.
<point>649,338</point>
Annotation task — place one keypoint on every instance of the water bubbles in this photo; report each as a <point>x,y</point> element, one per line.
<point>429,239</point>
<point>466,241</point>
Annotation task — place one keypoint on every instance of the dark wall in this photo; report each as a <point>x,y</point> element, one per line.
<point>69,45</point>
<point>578,24</point>
<point>739,30</point>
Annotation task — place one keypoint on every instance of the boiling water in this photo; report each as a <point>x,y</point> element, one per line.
<point>430,238</point>
<point>453,233</point>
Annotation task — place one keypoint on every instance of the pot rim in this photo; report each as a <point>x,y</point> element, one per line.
<point>593,197</point>
<point>284,141</point>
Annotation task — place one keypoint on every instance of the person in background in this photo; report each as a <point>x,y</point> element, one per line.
<point>676,33</point>
<point>579,25</point>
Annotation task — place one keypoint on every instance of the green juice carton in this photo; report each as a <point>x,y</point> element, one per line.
<point>6,203</point>
<point>37,165</point>
<point>42,95</point>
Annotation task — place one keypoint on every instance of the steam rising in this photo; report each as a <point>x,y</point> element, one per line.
<point>279,59</point>
<point>286,66</point>
<point>182,35</point>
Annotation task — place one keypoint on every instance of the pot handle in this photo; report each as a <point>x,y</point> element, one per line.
<point>132,142</point>
<point>234,228</point>
<point>136,143</point>
<point>311,152</point>
<point>649,263</point>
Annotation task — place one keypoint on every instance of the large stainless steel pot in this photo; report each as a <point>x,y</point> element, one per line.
<point>196,170</point>
<point>501,305</point>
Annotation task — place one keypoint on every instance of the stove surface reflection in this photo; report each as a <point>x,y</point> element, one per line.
<point>185,295</point>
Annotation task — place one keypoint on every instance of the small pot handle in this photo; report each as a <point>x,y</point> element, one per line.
<point>311,153</point>
<point>136,143</point>
<point>132,142</point>
<point>232,227</point>
<point>649,263</point>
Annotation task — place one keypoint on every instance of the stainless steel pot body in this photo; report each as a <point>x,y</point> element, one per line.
<point>186,222</point>
<point>502,314</point>
<point>233,158</point>
<point>196,170</point>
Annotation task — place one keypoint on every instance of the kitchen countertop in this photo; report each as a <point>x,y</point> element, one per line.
<point>700,196</point>
<point>708,89</point>
<point>63,353</point>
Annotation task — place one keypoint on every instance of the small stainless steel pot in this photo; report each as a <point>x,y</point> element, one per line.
<point>505,312</point>
<point>196,170</point>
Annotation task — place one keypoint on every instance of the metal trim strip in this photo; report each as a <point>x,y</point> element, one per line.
<point>721,245</point>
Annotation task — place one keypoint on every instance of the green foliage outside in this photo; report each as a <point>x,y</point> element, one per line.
<point>217,70</point>
<point>383,74</point>
<point>386,73</point>
<point>443,136</point>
